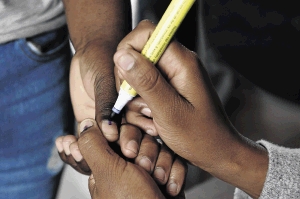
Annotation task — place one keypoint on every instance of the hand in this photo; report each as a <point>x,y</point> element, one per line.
<point>82,88</point>
<point>85,80</point>
<point>186,112</point>
<point>92,81</point>
<point>187,107</point>
<point>158,160</point>
<point>131,139</point>
<point>112,176</point>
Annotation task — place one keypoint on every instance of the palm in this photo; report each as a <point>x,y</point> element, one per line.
<point>82,99</point>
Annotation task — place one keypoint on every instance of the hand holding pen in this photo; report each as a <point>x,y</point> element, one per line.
<point>191,122</point>
<point>177,101</point>
<point>156,45</point>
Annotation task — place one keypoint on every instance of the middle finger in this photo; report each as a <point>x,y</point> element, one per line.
<point>148,153</point>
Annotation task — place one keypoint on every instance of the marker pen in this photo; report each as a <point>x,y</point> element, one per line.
<point>156,45</point>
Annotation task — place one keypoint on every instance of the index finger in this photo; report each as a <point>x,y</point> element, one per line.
<point>177,64</point>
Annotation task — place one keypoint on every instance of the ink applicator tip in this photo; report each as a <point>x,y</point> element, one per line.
<point>111,117</point>
<point>156,45</point>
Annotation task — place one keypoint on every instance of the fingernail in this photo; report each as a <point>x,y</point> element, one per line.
<point>132,146</point>
<point>59,145</point>
<point>146,111</point>
<point>110,131</point>
<point>150,132</point>
<point>59,148</point>
<point>66,145</point>
<point>126,61</point>
<point>145,163</point>
<point>85,124</point>
<point>77,155</point>
<point>160,174</point>
<point>173,188</point>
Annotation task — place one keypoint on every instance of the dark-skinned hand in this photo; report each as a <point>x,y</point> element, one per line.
<point>111,175</point>
<point>178,102</point>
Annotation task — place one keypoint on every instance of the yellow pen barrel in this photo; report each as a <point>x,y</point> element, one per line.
<point>162,34</point>
<point>126,87</point>
<point>166,29</point>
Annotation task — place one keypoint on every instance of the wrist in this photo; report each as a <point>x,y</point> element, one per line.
<point>246,167</point>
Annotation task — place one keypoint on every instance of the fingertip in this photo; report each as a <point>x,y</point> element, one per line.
<point>125,61</point>
<point>66,142</point>
<point>117,55</point>
<point>177,176</point>
<point>160,175</point>
<point>146,163</point>
<point>147,112</point>
<point>75,152</point>
<point>131,149</point>
<point>86,124</point>
<point>59,145</point>
<point>151,132</point>
<point>173,188</point>
<point>109,130</point>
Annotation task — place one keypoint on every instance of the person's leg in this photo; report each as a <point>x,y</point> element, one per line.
<point>35,109</point>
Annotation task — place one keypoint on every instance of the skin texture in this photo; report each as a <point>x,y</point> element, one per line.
<point>192,122</point>
<point>96,28</point>
<point>197,129</point>
<point>113,177</point>
<point>138,147</point>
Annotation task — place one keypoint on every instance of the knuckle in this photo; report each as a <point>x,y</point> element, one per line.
<point>148,79</point>
<point>147,23</point>
<point>68,138</point>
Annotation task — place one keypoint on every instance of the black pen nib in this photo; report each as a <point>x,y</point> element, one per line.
<point>111,117</point>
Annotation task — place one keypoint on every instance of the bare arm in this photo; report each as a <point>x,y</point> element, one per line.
<point>104,20</point>
<point>96,27</point>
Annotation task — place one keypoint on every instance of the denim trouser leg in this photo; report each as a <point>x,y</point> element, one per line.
<point>35,109</point>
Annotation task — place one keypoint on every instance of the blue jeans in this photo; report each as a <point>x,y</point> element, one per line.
<point>35,109</point>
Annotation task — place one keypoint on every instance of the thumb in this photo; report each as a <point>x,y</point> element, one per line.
<point>149,83</point>
<point>94,147</point>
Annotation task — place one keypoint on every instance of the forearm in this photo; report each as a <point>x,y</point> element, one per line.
<point>283,176</point>
<point>96,28</point>
<point>244,165</point>
<point>251,168</point>
<point>106,21</point>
